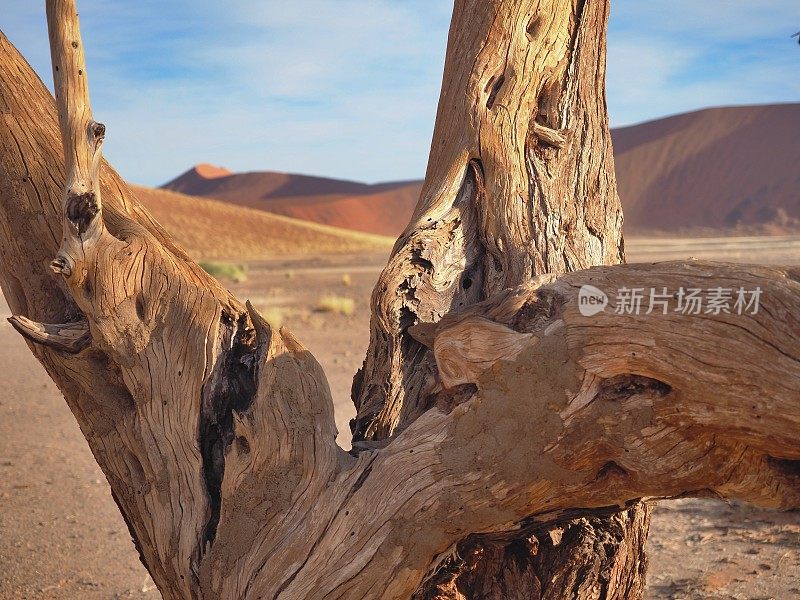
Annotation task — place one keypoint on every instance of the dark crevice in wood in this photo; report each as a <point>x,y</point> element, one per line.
<point>140,308</point>
<point>409,345</point>
<point>359,423</point>
<point>533,27</point>
<point>493,87</point>
<point>360,481</point>
<point>787,468</point>
<point>534,315</point>
<point>472,190</point>
<point>547,112</point>
<point>81,210</point>
<point>622,387</point>
<point>420,261</point>
<point>610,469</point>
<point>242,444</point>
<point>231,388</point>
<point>98,131</point>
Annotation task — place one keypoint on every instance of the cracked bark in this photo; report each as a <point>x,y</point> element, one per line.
<point>216,431</point>
<point>519,183</point>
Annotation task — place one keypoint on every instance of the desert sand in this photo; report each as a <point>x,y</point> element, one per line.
<point>61,536</point>
<point>214,229</point>
<point>382,208</point>
<point>720,167</point>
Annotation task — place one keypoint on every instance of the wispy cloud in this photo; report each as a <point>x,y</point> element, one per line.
<point>668,56</point>
<point>349,88</point>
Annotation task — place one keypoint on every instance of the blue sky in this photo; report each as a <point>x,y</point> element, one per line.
<point>348,88</point>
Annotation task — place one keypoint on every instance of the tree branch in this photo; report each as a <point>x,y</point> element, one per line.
<point>216,433</point>
<point>673,404</point>
<point>82,137</point>
<point>67,337</point>
<point>520,182</point>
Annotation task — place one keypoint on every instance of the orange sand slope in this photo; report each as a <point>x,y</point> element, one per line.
<point>212,229</point>
<point>717,168</point>
<point>382,209</point>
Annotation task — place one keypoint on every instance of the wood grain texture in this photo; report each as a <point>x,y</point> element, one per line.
<point>520,182</point>
<point>539,428</point>
<point>500,204</point>
<point>156,473</point>
<point>67,337</point>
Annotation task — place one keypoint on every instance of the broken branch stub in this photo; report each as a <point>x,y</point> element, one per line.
<point>82,138</point>
<point>67,337</point>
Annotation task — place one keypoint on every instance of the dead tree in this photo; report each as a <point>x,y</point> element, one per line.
<point>490,408</point>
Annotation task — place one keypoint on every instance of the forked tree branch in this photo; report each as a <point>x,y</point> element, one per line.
<point>568,412</point>
<point>520,182</point>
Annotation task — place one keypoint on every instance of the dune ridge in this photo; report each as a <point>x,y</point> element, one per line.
<point>213,229</point>
<point>720,170</point>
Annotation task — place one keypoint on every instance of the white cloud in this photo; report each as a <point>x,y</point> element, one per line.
<point>707,21</point>
<point>679,55</point>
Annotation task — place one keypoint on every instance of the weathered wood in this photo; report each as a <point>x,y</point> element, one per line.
<point>67,337</point>
<point>498,206</point>
<point>520,182</point>
<point>133,281</point>
<point>666,417</point>
<point>217,435</point>
<point>82,138</point>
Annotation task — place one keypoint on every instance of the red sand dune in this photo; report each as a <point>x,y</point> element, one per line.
<point>384,212</point>
<point>381,208</point>
<point>717,169</point>
<point>207,171</point>
<point>720,168</point>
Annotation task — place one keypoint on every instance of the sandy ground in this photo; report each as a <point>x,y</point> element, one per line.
<point>62,538</point>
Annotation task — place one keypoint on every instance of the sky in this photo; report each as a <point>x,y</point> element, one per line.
<point>349,88</point>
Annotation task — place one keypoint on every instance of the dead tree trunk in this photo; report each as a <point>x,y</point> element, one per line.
<point>216,432</point>
<point>520,182</point>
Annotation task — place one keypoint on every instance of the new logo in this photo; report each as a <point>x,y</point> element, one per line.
<point>591,301</point>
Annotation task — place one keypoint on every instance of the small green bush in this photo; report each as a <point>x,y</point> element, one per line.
<point>229,271</point>
<point>336,304</point>
<point>273,315</point>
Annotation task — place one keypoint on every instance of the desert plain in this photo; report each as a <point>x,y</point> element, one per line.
<point>63,538</point>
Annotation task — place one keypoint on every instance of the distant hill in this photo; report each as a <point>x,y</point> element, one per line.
<point>210,180</point>
<point>339,203</point>
<point>720,169</point>
<point>213,229</point>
